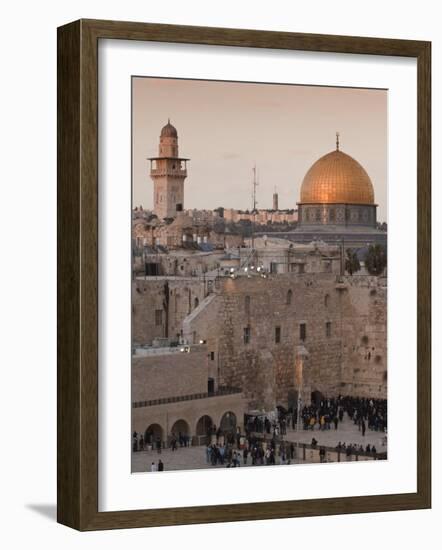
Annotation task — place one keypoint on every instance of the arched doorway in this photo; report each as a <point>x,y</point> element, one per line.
<point>317,397</point>
<point>228,423</point>
<point>152,433</point>
<point>204,425</point>
<point>181,431</point>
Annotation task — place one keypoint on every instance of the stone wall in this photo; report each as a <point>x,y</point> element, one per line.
<point>173,299</point>
<point>364,322</point>
<point>166,373</point>
<point>252,330</point>
<point>345,336</point>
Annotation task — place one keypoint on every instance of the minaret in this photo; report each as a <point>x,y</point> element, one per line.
<point>168,172</point>
<point>275,200</point>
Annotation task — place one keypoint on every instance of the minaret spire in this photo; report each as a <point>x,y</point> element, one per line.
<point>337,141</point>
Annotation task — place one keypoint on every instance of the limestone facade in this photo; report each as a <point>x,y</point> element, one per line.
<point>160,305</point>
<point>258,324</point>
<point>172,392</point>
<point>168,173</point>
<point>245,333</point>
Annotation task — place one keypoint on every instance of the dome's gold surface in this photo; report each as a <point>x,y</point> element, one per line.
<point>337,178</point>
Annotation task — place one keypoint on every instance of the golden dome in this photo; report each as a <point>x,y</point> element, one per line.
<point>337,178</point>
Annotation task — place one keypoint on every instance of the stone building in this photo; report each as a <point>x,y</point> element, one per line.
<point>262,216</point>
<point>173,392</point>
<point>276,255</point>
<point>160,305</point>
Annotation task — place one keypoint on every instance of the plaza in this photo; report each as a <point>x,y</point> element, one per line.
<point>195,457</point>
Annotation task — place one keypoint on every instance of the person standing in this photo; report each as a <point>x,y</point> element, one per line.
<point>153,467</point>
<point>363,427</point>
<point>160,466</point>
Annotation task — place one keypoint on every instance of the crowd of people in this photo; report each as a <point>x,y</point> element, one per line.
<point>141,443</point>
<point>325,414</point>
<point>329,413</point>
<point>353,448</point>
<point>263,442</point>
<point>253,451</point>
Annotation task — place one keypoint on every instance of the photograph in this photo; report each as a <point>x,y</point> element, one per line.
<point>259,274</point>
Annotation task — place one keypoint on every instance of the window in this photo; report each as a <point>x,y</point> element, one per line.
<point>246,335</point>
<point>277,335</point>
<point>326,300</point>
<point>158,317</point>
<point>212,356</point>
<point>328,329</point>
<point>303,331</point>
<point>289,297</point>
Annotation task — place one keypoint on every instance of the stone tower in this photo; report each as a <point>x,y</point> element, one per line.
<point>168,172</point>
<point>275,200</point>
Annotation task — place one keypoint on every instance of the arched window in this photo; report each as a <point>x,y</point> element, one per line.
<point>196,303</point>
<point>289,297</point>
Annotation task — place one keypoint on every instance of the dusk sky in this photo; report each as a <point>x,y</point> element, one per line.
<point>227,127</point>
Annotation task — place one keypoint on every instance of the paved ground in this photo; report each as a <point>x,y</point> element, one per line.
<point>192,458</point>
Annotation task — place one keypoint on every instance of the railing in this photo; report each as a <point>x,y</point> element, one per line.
<point>176,399</point>
<point>341,454</point>
<point>161,172</point>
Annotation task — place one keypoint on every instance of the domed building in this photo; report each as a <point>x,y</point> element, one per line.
<point>337,202</point>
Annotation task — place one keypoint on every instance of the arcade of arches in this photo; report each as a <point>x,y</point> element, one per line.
<point>194,419</point>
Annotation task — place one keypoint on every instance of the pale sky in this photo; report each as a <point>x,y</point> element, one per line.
<point>227,127</point>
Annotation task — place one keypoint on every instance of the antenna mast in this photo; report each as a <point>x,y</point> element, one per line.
<point>255,185</point>
<point>255,202</point>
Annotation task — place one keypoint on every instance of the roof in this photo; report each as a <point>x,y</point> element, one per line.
<point>337,178</point>
<point>169,130</point>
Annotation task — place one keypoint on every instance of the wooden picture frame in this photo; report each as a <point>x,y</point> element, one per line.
<point>78,274</point>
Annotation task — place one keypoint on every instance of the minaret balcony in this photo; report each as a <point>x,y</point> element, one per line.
<point>177,173</point>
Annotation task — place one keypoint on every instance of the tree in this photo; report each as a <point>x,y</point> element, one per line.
<point>376,259</point>
<point>352,261</point>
